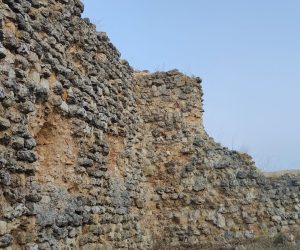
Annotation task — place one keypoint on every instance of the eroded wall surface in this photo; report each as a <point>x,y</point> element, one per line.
<point>96,156</point>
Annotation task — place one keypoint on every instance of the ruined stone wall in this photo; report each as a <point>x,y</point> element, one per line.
<point>69,170</point>
<point>203,192</point>
<point>96,156</point>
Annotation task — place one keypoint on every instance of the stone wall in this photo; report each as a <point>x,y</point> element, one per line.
<point>201,191</point>
<point>96,156</point>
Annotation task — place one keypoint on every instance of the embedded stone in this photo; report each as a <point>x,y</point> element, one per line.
<point>30,143</point>
<point>199,186</point>
<point>55,100</point>
<point>45,219</point>
<point>27,155</point>
<point>4,124</point>
<point>170,167</point>
<point>85,162</point>
<point>5,240</point>
<point>27,107</point>
<point>64,107</point>
<point>3,227</point>
<point>5,139</point>
<point>241,175</point>
<point>61,220</point>
<point>2,94</point>
<point>41,94</point>
<point>17,143</point>
<point>3,53</point>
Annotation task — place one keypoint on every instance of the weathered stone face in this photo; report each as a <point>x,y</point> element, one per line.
<point>96,156</point>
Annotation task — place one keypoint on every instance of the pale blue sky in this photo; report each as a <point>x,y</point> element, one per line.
<point>246,52</point>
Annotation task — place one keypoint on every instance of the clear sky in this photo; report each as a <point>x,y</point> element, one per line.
<point>246,52</point>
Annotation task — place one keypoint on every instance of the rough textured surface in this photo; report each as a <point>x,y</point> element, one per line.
<point>96,156</point>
